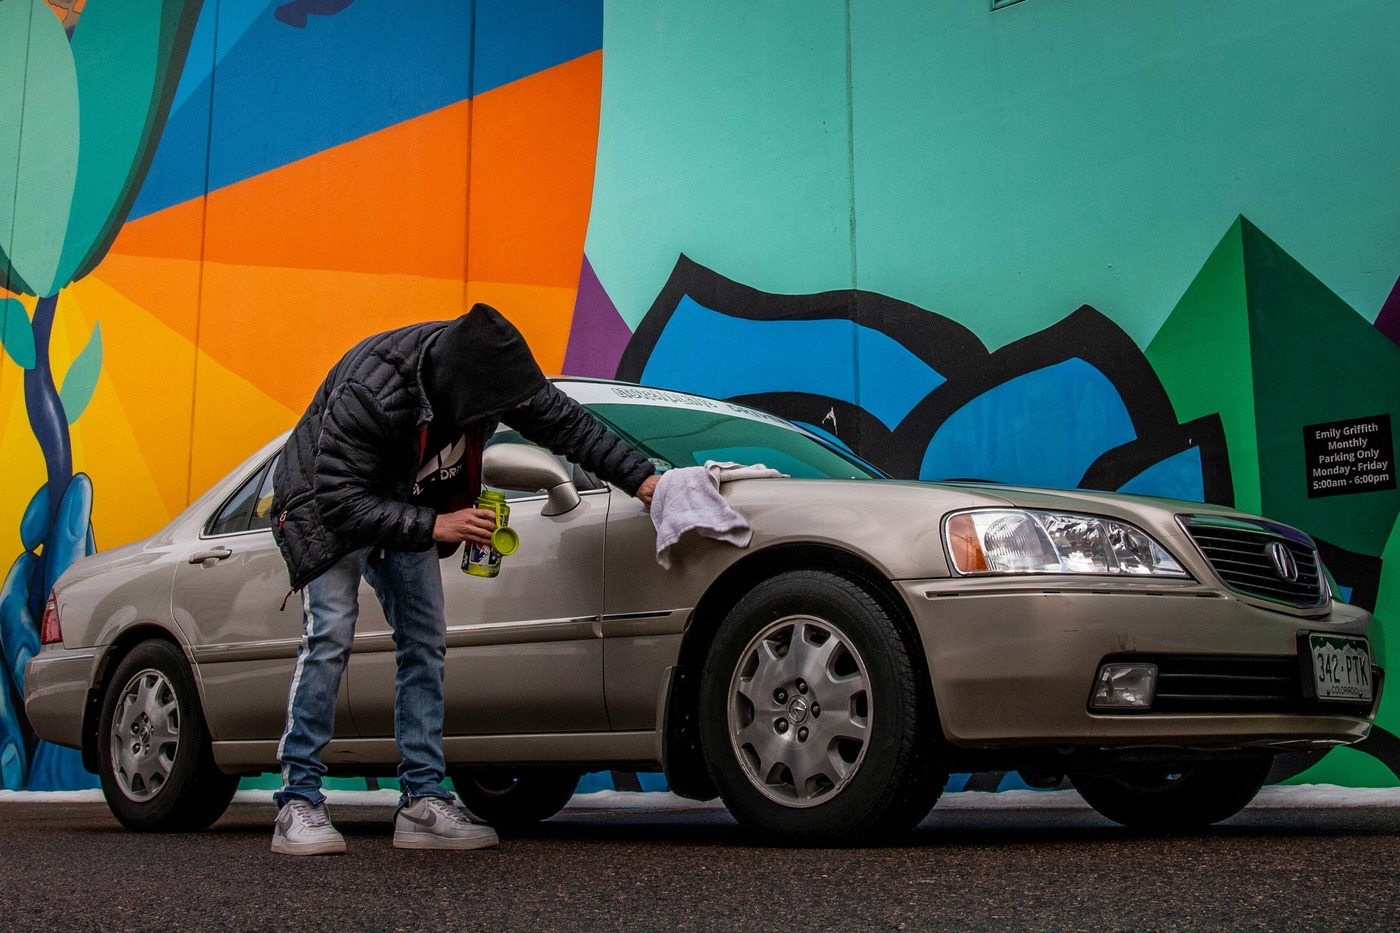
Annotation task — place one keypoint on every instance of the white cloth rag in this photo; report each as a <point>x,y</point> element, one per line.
<point>689,499</point>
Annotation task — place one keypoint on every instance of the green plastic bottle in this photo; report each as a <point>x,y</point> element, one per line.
<point>484,560</point>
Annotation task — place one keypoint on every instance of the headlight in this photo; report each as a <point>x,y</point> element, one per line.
<point>1032,541</point>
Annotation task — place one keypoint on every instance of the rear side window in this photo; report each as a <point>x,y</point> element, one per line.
<point>249,508</point>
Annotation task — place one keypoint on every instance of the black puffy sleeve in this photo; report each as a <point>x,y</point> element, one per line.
<point>552,419</point>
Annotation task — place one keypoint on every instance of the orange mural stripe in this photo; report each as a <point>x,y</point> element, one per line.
<point>534,145</point>
<point>281,329</point>
<point>392,201</point>
<point>166,288</point>
<point>173,233</point>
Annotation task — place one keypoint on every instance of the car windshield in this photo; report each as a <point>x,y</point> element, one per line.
<point>697,430</point>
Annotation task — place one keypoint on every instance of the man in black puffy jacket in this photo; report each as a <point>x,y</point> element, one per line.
<point>384,465</point>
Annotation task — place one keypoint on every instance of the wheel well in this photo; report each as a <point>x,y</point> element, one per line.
<point>685,766</point>
<point>121,646</point>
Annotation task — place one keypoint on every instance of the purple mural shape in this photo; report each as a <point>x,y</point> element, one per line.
<point>1388,321</point>
<point>599,334</point>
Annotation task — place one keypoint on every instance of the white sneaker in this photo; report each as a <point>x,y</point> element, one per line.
<point>304,828</point>
<point>438,823</point>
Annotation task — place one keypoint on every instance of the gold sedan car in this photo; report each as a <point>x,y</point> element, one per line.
<point>873,637</point>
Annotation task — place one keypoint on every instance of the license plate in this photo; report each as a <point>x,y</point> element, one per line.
<point>1341,667</point>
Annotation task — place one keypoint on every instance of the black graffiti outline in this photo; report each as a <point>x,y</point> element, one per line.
<point>957,354</point>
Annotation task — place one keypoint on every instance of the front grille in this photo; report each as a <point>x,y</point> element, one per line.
<point>1240,554</point>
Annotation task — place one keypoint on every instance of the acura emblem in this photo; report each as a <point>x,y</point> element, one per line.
<point>1284,563</point>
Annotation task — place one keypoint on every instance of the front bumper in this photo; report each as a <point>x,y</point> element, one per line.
<point>1013,662</point>
<point>55,694</point>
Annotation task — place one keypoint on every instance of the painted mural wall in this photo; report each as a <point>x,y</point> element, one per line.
<point>1148,247</point>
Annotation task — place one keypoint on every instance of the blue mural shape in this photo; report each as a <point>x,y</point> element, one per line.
<point>759,357</point>
<point>1045,428</point>
<point>1176,477</point>
<point>52,541</point>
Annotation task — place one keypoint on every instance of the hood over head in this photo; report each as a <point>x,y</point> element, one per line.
<point>480,367</point>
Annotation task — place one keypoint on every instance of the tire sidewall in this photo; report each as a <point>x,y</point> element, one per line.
<point>872,633</point>
<point>166,659</point>
<point>1208,792</point>
<point>536,795</point>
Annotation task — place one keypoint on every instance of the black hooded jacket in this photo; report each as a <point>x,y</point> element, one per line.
<point>343,479</point>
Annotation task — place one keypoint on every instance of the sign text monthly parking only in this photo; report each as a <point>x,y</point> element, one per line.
<point>1352,456</point>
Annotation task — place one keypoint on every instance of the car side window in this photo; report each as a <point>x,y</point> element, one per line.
<point>249,508</point>
<point>261,519</point>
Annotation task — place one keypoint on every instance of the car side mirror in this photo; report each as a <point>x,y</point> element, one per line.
<point>526,468</point>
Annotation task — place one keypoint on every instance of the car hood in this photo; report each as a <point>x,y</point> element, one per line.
<point>951,496</point>
<point>898,524</point>
<point>1112,504</point>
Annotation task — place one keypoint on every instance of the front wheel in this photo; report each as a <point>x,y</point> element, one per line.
<point>156,764</point>
<point>816,724</point>
<point>519,797</point>
<point>1168,797</point>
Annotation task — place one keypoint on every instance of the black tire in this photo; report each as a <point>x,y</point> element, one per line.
<point>155,761</point>
<point>1174,797</point>
<point>508,797</point>
<point>859,771</point>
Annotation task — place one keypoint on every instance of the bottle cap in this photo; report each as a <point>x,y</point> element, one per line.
<point>505,540</point>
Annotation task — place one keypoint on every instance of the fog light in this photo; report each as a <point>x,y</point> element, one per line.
<point>1124,686</point>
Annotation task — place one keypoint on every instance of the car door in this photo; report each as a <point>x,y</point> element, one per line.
<point>524,654</point>
<point>228,599</point>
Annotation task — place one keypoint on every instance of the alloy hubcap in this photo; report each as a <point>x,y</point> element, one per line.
<point>799,711</point>
<point>145,735</point>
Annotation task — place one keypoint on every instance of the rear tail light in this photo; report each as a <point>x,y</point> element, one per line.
<point>50,633</point>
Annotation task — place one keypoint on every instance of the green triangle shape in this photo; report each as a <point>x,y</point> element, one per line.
<point>1260,340</point>
<point>1202,356</point>
<point>1315,360</point>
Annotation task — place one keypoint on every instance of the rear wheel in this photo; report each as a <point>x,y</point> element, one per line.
<point>1166,797</point>
<point>515,797</point>
<point>157,765</point>
<point>816,726</point>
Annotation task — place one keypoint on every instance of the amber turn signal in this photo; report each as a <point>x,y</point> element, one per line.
<point>965,545</point>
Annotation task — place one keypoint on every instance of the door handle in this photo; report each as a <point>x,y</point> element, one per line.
<point>208,558</point>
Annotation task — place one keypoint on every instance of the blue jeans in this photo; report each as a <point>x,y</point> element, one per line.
<point>409,587</point>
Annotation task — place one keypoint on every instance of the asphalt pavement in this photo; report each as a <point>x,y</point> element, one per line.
<point>646,862</point>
